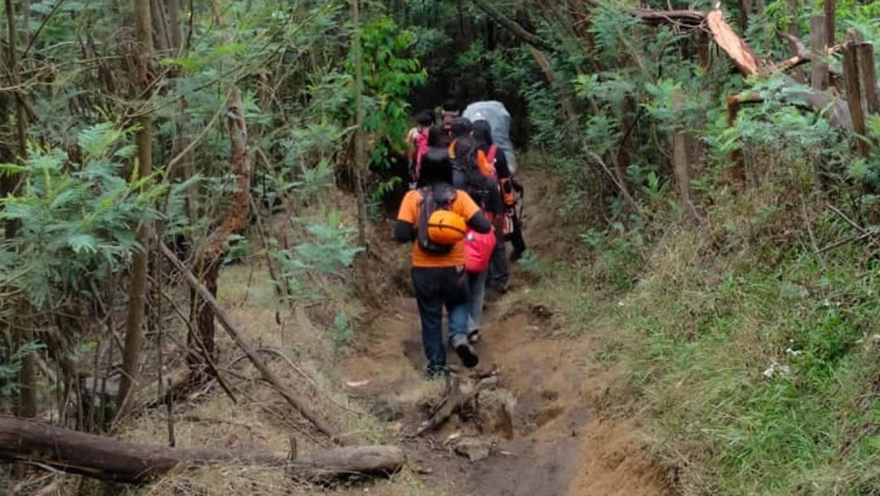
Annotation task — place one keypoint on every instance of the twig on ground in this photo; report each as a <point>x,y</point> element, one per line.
<point>847,219</point>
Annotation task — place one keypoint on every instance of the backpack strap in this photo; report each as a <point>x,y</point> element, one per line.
<point>490,157</point>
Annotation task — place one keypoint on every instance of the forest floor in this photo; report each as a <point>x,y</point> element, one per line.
<point>541,431</point>
<point>549,426</point>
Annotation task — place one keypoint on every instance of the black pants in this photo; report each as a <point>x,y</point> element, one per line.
<point>436,288</point>
<point>516,237</point>
<point>498,272</point>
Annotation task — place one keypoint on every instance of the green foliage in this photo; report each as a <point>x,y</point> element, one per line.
<point>327,250</point>
<point>10,365</point>
<point>390,75</point>
<point>343,331</point>
<point>77,222</point>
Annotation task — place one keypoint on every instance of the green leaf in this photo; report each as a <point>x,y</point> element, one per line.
<point>83,243</point>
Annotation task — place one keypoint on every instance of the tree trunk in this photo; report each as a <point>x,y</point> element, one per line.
<point>27,400</point>
<point>161,38</point>
<point>681,161</point>
<point>830,24</point>
<point>792,11</point>
<point>854,98</point>
<point>174,25</point>
<point>204,339</point>
<point>234,220</point>
<point>819,50</point>
<point>360,159</point>
<point>744,8</point>
<point>867,77</point>
<point>113,460</point>
<point>26,20</point>
<point>138,281</point>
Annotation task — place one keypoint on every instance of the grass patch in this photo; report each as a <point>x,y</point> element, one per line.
<point>757,370</point>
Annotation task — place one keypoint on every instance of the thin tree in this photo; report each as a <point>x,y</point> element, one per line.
<point>27,401</point>
<point>360,160</point>
<point>138,285</point>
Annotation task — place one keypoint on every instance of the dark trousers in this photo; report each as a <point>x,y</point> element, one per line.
<point>498,264</point>
<point>516,238</point>
<point>436,288</point>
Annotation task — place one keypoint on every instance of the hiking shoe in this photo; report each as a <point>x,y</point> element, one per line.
<point>436,372</point>
<point>465,351</point>
<point>474,336</point>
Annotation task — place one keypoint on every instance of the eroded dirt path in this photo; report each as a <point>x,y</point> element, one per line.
<point>542,422</point>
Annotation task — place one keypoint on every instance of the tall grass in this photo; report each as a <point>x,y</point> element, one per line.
<point>752,357</point>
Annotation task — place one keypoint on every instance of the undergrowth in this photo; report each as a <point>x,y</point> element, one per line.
<point>749,351</point>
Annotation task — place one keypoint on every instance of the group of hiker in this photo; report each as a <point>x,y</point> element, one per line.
<point>459,214</point>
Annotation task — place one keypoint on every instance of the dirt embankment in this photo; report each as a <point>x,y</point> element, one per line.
<point>539,432</point>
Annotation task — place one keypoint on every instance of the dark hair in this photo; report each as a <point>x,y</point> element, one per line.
<point>461,127</point>
<point>466,161</point>
<point>451,105</point>
<point>425,118</point>
<point>435,135</point>
<point>483,135</point>
<point>436,168</point>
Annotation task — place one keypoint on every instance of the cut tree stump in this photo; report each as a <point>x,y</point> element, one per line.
<point>110,459</point>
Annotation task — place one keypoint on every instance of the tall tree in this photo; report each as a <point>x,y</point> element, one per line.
<point>360,159</point>
<point>27,406</point>
<point>138,285</point>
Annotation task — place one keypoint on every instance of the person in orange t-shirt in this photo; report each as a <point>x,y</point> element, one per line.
<point>439,279</point>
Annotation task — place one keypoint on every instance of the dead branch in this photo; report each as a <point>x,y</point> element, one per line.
<point>251,353</point>
<point>454,401</point>
<point>511,25</point>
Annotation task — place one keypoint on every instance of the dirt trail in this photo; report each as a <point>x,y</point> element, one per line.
<point>553,441</point>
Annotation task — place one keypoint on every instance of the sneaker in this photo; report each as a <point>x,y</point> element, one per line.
<point>474,336</point>
<point>436,372</point>
<point>465,351</point>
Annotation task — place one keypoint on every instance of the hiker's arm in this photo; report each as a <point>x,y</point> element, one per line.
<point>496,202</point>
<point>465,207</point>
<point>478,222</point>
<point>501,166</point>
<point>404,232</point>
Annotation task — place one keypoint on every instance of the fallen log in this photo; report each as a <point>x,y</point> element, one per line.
<point>110,459</point>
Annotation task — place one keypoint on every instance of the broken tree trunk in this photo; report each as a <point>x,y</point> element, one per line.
<point>745,59</point>
<point>110,459</point>
<point>251,353</point>
<point>234,220</point>
<point>867,76</point>
<point>854,97</point>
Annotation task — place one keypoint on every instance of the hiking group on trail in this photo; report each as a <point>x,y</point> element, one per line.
<point>459,214</point>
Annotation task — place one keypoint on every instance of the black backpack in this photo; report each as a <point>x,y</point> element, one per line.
<point>474,184</point>
<point>437,197</point>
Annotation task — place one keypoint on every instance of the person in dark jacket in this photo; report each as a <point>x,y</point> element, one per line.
<point>487,194</point>
<point>440,279</point>
<point>498,270</point>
